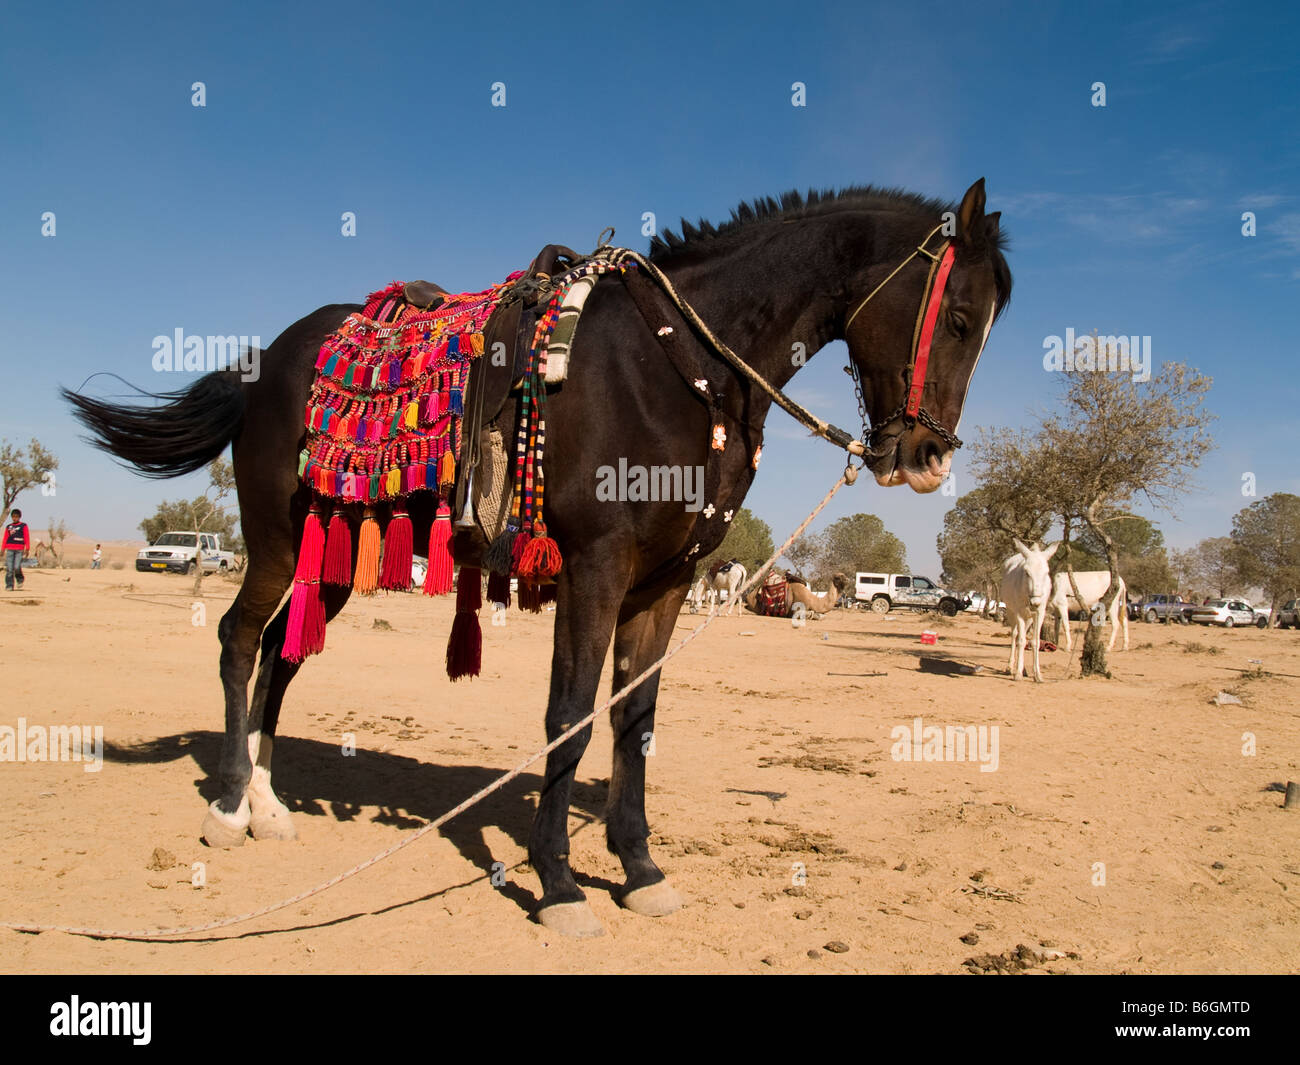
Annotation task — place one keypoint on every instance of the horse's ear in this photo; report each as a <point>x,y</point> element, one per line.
<point>1052,550</point>
<point>993,225</point>
<point>970,216</point>
<point>1020,547</point>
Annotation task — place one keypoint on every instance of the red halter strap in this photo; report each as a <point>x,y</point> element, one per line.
<point>926,319</point>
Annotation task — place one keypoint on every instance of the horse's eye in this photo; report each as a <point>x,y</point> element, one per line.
<point>959,325</point>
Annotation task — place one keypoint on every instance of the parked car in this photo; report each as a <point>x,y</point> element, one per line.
<point>884,591</point>
<point>1165,608</point>
<point>1289,616</point>
<point>175,552</point>
<point>1229,613</point>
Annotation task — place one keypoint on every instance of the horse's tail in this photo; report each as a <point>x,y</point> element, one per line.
<point>187,430</point>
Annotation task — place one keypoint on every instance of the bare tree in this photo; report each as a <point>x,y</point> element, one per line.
<point>58,533</point>
<point>1115,442</point>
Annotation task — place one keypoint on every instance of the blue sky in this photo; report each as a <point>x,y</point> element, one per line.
<point>226,218</point>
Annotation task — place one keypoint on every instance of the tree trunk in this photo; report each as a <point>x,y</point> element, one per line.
<point>1093,658</point>
<point>198,571</point>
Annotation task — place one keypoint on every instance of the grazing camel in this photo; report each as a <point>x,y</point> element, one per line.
<point>796,591</point>
<point>1026,588</point>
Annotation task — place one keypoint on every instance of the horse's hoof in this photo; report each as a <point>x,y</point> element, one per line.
<point>570,919</point>
<point>278,825</point>
<point>654,900</point>
<point>226,830</point>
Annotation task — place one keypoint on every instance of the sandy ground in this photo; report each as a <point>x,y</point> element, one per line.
<point>773,757</point>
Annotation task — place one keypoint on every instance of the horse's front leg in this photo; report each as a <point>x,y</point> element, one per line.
<point>586,610</point>
<point>645,626</point>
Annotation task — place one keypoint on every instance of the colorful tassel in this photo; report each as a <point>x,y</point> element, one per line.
<point>541,555</point>
<point>465,646</point>
<point>337,568</point>
<point>437,579</point>
<point>399,544</point>
<point>366,581</point>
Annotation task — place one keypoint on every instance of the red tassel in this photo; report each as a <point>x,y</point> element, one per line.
<point>437,579</point>
<point>399,544</point>
<point>517,550</point>
<point>305,633</point>
<point>541,556</point>
<point>530,596</point>
<point>312,549</point>
<point>498,588</point>
<point>338,552</point>
<point>465,646</point>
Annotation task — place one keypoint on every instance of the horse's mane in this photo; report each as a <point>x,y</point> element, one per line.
<point>793,205</point>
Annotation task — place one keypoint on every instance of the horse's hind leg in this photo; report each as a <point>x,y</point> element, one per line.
<point>265,582</point>
<point>270,818</point>
<point>645,626</point>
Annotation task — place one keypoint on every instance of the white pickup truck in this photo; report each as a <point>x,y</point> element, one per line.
<point>885,591</point>
<point>175,551</point>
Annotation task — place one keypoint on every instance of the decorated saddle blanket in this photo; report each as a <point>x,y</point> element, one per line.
<point>384,415</point>
<point>385,418</point>
<point>771,596</point>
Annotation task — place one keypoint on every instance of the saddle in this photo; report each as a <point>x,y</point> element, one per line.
<point>482,497</point>
<point>771,597</point>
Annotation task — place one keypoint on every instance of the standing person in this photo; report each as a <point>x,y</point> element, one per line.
<point>17,541</point>
<point>95,558</point>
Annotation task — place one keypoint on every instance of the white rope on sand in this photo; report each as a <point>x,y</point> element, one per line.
<point>849,476</point>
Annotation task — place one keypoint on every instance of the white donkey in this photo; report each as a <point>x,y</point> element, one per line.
<point>1026,589</point>
<point>729,581</point>
<point>700,596</point>
<point>1092,586</point>
<point>705,592</point>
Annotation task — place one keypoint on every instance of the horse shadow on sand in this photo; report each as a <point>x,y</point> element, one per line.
<point>314,779</point>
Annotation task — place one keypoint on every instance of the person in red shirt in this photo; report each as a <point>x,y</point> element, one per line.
<point>17,542</point>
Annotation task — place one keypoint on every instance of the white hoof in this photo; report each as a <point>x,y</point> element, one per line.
<point>226,830</point>
<point>654,900</point>
<point>273,823</point>
<point>571,919</point>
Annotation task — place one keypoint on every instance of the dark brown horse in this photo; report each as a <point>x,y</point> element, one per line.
<point>777,279</point>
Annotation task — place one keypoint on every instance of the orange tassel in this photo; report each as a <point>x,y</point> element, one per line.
<point>541,557</point>
<point>366,580</point>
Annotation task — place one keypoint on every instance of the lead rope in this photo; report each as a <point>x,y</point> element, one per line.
<point>848,477</point>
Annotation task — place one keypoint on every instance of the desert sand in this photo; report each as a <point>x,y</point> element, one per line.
<point>800,844</point>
